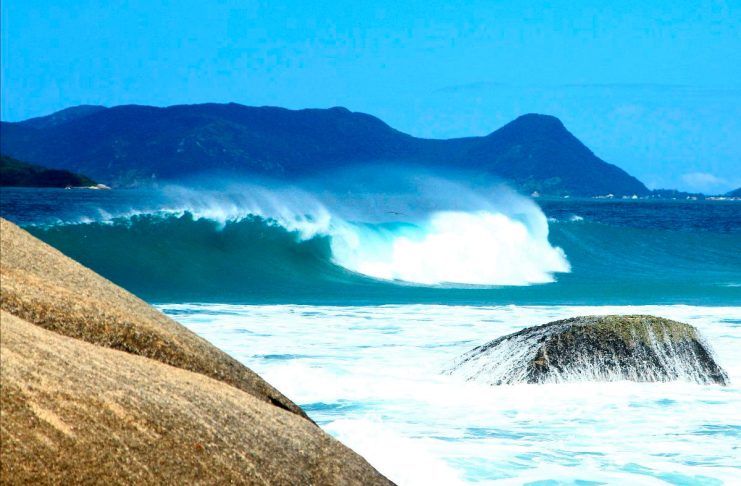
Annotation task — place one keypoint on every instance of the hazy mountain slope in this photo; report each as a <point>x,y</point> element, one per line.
<point>128,144</point>
<point>14,173</point>
<point>539,154</point>
<point>62,116</point>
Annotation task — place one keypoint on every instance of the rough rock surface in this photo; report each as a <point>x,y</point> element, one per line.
<point>595,348</point>
<point>130,405</point>
<point>44,287</point>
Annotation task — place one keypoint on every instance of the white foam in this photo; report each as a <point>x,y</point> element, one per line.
<point>501,239</point>
<point>481,248</point>
<point>372,377</point>
<point>462,236</point>
<point>380,445</point>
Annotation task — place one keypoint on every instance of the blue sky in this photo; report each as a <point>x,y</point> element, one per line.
<point>654,87</point>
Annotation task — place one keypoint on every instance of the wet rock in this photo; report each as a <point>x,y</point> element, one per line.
<point>595,348</point>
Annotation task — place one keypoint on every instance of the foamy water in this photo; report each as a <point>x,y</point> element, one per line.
<point>497,239</point>
<point>371,376</point>
<point>479,247</point>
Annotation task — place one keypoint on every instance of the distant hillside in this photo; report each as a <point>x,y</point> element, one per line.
<point>14,173</point>
<point>63,116</point>
<point>734,193</point>
<point>132,144</point>
<point>538,153</point>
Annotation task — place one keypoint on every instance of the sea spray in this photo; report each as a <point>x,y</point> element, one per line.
<point>435,232</point>
<point>481,248</point>
<point>174,244</point>
<point>421,230</point>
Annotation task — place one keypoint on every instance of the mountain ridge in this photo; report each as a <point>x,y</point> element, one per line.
<point>129,144</point>
<point>62,116</point>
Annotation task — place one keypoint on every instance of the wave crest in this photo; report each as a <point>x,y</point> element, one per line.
<point>426,231</point>
<point>429,233</point>
<point>477,248</point>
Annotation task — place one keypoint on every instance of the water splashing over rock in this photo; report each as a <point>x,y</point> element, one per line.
<point>595,348</point>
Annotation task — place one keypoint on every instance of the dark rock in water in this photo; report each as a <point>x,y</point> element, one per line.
<point>595,348</point>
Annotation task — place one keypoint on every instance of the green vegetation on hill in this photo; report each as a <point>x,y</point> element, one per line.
<point>734,193</point>
<point>14,173</point>
<point>134,144</point>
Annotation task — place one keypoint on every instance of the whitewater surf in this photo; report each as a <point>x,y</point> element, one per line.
<point>374,376</point>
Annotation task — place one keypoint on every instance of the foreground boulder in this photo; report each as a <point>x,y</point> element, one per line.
<point>594,348</point>
<point>99,388</point>
<point>78,413</point>
<point>46,288</point>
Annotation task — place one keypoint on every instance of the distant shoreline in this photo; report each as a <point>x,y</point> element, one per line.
<point>17,173</point>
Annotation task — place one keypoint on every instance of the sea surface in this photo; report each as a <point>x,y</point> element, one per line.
<point>372,377</point>
<point>285,246</point>
<point>354,305</point>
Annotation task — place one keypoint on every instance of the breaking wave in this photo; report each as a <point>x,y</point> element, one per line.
<point>421,240</point>
<point>255,236</point>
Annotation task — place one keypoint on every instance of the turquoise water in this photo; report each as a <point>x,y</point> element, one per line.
<point>354,313</point>
<point>591,252</point>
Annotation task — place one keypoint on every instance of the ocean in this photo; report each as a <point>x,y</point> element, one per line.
<point>353,305</point>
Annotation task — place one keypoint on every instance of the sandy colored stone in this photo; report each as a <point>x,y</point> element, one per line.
<point>97,387</point>
<point>76,413</point>
<point>44,287</point>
